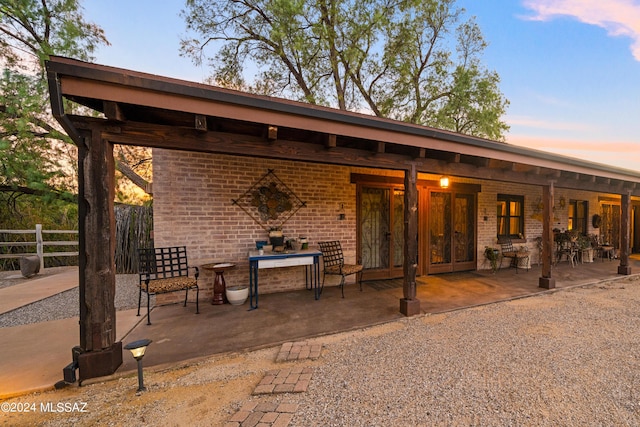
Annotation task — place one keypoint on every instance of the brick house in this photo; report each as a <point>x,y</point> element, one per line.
<point>366,181</point>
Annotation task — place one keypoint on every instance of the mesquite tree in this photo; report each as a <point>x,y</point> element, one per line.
<point>411,60</point>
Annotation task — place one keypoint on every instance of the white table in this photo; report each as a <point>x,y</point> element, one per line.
<point>305,257</point>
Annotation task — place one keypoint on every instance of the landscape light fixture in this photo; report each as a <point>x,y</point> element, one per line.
<point>444,181</point>
<point>138,348</point>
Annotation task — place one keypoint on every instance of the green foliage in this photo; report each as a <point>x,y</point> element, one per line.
<point>410,60</point>
<point>40,28</point>
<point>37,160</point>
<point>29,161</point>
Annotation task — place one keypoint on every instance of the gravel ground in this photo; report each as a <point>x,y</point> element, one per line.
<point>65,304</point>
<point>567,358</point>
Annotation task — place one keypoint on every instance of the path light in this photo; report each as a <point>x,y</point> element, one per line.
<point>138,348</point>
<point>444,181</point>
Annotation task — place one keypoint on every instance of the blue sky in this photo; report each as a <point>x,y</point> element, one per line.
<point>570,68</point>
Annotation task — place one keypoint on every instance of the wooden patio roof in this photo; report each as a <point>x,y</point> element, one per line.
<point>149,110</point>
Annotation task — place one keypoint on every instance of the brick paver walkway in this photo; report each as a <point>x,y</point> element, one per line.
<point>298,351</point>
<point>293,380</point>
<point>263,414</point>
<point>288,380</point>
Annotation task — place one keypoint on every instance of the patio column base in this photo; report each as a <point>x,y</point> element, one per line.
<point>547,282</point>
<point>409,307</point>
<point>624,269</point>
<point>100,363</point>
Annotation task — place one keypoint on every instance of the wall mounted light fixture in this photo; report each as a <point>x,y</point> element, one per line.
<point>444,181</point>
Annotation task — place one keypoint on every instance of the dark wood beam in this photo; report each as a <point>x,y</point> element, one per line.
<point>410,305</point>
<point>201,123</point>
<point>112,111</point>
<point>188,139</point>
<point>331,141</point>
<point>272,133</point>
<point>546,281</point>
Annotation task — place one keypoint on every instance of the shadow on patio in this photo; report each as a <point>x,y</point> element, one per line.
<point>178,334</point>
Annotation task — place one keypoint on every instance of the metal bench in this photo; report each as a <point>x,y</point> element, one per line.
<point>164,270</point>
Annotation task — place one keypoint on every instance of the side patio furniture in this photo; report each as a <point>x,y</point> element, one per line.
<point>333,260</point>
<point>164,270</point>
<point>518,258</point>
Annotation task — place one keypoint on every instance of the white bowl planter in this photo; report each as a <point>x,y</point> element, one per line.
<point>237,295</point>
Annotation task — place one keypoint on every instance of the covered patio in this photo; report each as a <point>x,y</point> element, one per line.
<point>205,134</point>
<point>178,334</point>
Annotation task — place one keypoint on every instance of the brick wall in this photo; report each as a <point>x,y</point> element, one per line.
<point>193,195</point>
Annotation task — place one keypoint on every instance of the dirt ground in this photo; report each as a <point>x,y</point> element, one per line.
<point>197,393</point>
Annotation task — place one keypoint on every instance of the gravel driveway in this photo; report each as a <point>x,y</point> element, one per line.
<point>567,358</point>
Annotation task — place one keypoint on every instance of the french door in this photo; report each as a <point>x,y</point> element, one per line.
<point>381,231</point>
<point>450,237</point>
<point>446,236</point>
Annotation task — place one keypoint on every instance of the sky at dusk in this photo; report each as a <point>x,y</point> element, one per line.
<point>569,68</point>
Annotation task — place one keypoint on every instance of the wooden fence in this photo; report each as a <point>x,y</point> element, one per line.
<point>38,243</point>
<point>134,226</point>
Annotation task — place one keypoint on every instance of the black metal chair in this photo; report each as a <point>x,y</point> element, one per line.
<point>333,260</point>
<point>517,257</point>
<point>163,270</point>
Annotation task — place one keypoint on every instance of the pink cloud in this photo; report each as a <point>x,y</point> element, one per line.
<point>618,17</point>
<point>545,124</point>
<point>622,154</point>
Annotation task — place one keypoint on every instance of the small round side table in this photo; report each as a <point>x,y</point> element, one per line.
<point>219,285</point>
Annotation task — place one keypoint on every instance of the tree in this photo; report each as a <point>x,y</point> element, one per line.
<point>411,60</point>
<point>32,30</point>
<point>37,159</point>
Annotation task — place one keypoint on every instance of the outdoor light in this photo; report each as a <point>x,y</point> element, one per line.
<point>138,348</point>
<point>444,181</point>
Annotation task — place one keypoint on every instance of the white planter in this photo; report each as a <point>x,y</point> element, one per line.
<point>237,295</point>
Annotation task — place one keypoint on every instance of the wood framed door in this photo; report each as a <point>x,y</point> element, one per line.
<point>450,232</point>
<point>380,230</point>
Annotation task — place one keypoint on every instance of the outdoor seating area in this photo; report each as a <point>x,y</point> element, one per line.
<point>333,260</point>
<point>577,248</point>
<point>519,258</point>
<point>164,270</point>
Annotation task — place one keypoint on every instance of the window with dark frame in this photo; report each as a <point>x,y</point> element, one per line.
<point>510,216</point>
<point>578,216</point>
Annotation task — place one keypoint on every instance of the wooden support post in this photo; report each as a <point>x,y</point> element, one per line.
<point>99,353</point>
<point>625,234</point>
<point>546,281</point>
<point>410,305</point>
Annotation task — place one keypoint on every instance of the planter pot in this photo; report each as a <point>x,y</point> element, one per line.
<point>237,295</point>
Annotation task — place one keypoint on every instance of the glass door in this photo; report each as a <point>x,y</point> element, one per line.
<point>451,235</point>
<point>381,231</point>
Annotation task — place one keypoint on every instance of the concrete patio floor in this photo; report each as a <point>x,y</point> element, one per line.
<point>179,335</point>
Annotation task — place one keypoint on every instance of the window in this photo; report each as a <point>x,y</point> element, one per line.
<point>578,212</point>
<point>510,216</point>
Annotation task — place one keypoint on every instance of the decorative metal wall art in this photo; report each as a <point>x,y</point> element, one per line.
<point>269,202</point>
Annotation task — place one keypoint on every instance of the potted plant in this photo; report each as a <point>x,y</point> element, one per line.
<point>276,238</point>
<point>584,245</point>
<point>492,254</point>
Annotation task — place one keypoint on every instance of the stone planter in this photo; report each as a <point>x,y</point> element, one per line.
<point>237,295</point>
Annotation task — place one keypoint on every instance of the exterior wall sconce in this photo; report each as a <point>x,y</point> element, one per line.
<point>444,181</point>
<point>138,349</point>
<point>341,215</point>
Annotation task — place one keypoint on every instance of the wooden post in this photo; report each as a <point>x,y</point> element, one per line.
<point>546,281</point>
<point>410,305</point>
<point>99,353</point>
<point>40,245</point>
<point>625,234</point>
